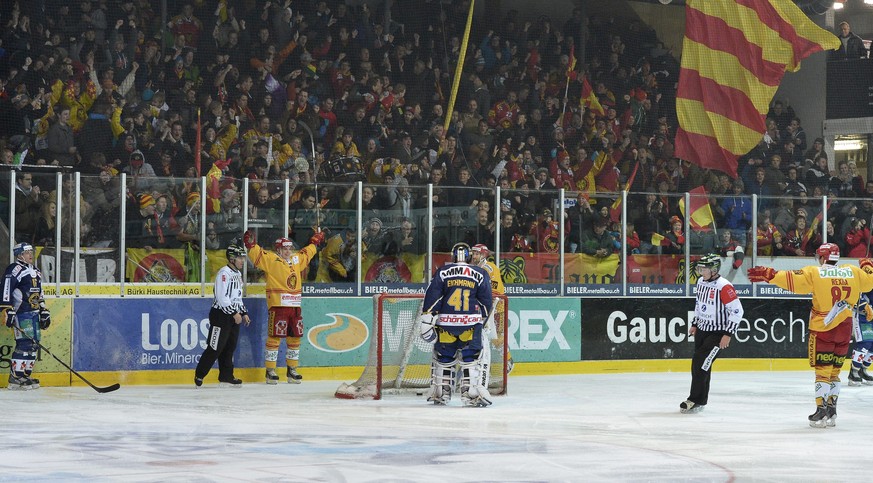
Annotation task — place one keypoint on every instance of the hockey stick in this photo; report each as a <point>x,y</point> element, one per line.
<point>315,168</point>
<point>101,390</point>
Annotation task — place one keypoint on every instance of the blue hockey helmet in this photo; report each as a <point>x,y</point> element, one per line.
<point>461,253</point>
<point>21,248</point>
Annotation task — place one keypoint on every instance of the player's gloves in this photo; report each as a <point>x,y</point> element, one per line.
<point>761,274</point>
<point>10,318</point>
<point>866,263</point>
<point>317,239</point>
<point>427,321</point>
<point>249,239</point>
<point>45,319</point>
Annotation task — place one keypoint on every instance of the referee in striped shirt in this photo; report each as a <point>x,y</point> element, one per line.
<point>717,314</point>
<point>225,316</point>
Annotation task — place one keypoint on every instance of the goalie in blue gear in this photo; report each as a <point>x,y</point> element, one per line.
<point>456,304</point>
<point>25,312</point>
<point>862,352</point>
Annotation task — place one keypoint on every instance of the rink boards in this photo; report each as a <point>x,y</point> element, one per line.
<point>159,341</point>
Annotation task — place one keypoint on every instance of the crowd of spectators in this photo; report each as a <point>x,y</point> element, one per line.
<point>104,87</point>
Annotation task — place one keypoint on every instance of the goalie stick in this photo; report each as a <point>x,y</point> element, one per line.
<point>101,390</point>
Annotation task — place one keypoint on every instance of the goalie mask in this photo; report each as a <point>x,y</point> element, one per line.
<point>461,253</point>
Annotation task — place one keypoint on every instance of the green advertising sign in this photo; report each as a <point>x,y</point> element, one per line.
<point>545,329</point>
<point>338,330</point>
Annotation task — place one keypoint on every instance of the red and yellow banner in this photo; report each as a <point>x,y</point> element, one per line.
<point>168,265</point>
<point>734,56</point>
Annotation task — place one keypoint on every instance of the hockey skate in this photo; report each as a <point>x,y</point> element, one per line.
<point>476,397</point>
<point>198,381</point>
<point>272,377</point>
<point>440,395</point>
<point>474,402</point>
<point>866,378</point>
<point>690,407</point>
<point>832,415</point>
<point>854,377</point>
<point>293,376</point>
<point>819,418</point>
<point>235,382</point>
<point>21,383</point>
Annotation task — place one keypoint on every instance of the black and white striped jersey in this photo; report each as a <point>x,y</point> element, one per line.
<point>717,308</point>
<point>228,291</point>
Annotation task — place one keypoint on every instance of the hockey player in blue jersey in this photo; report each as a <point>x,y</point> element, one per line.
<point>24,310</point>
<point>456,304</point>
<point>862,352</point>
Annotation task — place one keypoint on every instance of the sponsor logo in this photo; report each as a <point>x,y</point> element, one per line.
<point>836,272</point>
<point>620,328</point>
<point>539,329</point>
<point>188,334</point>
<point>593,290</point>
<point>647,290</point>
<point>343,333</point>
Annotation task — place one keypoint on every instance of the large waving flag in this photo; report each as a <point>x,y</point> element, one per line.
<point>734,55</point>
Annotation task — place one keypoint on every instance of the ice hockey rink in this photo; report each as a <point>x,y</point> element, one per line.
<point>603,427</point>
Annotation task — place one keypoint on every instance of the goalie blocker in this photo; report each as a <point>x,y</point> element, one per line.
<point>399,360</point>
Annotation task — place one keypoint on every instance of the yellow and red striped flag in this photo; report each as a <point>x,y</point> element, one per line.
<point>589,98</point>
<point>734,55</point>
<point>701,212</point>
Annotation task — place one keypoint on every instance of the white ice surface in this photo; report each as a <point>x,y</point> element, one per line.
<point>605,427</point>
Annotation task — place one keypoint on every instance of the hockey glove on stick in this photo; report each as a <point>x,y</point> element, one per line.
<point>427,321</point>
<point>9,318</point>
<point>317,239</point>
<point>866,264</point>
<point>761,274</point>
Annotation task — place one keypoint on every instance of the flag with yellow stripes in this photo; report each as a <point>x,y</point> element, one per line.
<point>734,56</point>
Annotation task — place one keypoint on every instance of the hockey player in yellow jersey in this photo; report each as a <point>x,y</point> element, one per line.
<point>282,270</point>
<point>835,290</point>
<point>479,256</point>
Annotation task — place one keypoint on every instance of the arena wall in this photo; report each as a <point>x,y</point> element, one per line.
<point>159,341</point>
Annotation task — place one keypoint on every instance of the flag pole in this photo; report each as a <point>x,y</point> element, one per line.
<point>197,144</point>
<point>456,82</point>
<point>564,109</point>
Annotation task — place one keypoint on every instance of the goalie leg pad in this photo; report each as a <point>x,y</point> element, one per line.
<point>442,380</point>
<point>473,393</point>
<point>485,362</point>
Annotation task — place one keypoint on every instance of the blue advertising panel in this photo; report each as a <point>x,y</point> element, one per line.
<point>142,334</point>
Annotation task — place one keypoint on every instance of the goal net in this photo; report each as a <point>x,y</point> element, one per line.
<point>399,360</point>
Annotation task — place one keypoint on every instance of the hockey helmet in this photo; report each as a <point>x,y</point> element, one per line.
<point>481,248</point>
<point>234,251</point>
<point>284,243</point>
<point>21,248</point>
<point>461,253</point>
<point>830,252</point>
<point>711,261</point>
